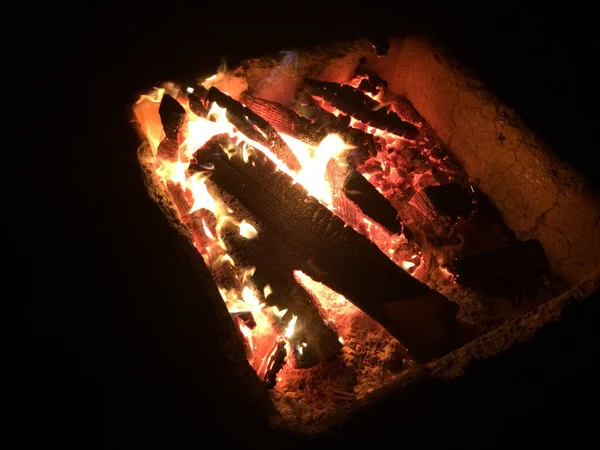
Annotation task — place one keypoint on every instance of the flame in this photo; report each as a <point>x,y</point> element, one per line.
<point>291,328</point>
<point>312,175</point>
<point>247,230</point>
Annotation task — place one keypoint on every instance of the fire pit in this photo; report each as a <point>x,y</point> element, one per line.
<point>364,210</point>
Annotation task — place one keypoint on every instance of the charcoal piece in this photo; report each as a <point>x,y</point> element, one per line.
<point>172,117</point>
<point>275,362</point>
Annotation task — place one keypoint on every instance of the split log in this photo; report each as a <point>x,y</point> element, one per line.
<point>253,126</point>
<point>318,243</point>
<point>355,103</point>
<point>451,200</point>
<point>274,363</point>
<point>519,257</point>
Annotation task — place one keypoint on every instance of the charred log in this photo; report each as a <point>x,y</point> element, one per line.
<point>319,244</point>
<point>355,103</point>
<point>253,126</point>
<point>519,257</point>
<point>315,338</point>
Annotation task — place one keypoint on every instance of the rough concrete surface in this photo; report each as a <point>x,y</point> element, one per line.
<point>538,195</point>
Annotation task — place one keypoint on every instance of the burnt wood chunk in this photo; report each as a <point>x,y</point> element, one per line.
<point>355,103</point>
<point>253,126</point>
<point>172,117</point>
<point>451,200</point>
<point>519,257</point>
<point>311,239</point>
<point>274,363</point>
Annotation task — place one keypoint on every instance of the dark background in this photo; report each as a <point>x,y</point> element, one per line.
<point>79,380</point>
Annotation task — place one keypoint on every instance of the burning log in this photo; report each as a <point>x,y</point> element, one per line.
<point>253,126</point>
<point>527,256</point>
<point>318,243</point>
<point>353,184</point>
<point>365,144</point>
<point>362,107</point>
<point>451,200</point>
<point>314,338</point>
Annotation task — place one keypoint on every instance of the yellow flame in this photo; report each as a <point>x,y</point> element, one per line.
<point>267,290</point>
<point>407,265</point>
<point>247,230</point>
<point>314,163</point>
<point>289,331</point>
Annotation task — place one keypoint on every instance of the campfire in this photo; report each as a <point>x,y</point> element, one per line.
<point>347,241</point>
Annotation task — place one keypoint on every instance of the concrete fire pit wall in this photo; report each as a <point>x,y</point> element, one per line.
<point>538,195</point>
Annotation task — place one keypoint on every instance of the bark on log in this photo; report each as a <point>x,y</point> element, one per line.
<point>253,126</point>
<point>285,120</point>
<point>355,103</point>
<point>319,244</point>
